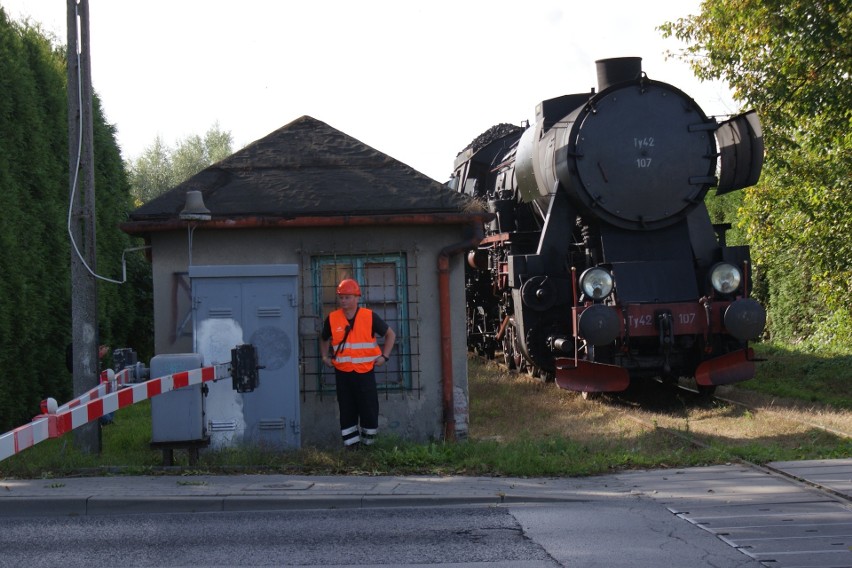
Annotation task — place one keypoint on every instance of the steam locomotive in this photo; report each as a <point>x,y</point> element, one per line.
<point>601,267</point>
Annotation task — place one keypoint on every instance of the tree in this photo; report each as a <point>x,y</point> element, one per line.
<point>160,168</point>
<point>151,173</point>
<point>35,300</point>
<point>791,60</point>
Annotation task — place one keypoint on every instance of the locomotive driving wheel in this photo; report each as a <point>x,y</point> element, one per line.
<point>542,364</point>
<point>511,350</point>
<point>480,341</point>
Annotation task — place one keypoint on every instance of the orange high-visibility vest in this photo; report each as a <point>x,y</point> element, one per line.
<point>360,349</point>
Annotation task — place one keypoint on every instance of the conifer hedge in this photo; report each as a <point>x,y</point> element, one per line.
<point>35,254</point>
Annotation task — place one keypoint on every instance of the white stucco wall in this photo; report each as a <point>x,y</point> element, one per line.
<point>413,415</point>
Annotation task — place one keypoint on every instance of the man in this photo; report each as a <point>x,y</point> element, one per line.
<point>348,343</point>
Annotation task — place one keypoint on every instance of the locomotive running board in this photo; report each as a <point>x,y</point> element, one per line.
<point>729,368</point>
<point>584,376</point>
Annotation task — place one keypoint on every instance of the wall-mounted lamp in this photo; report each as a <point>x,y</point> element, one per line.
<point>194,210</point>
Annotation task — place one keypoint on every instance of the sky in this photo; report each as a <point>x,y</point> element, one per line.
<point>415,80</point>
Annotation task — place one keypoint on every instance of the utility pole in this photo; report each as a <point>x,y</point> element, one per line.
<point>84,292</point>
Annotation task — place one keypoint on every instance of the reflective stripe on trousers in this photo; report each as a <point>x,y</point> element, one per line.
<point>368,435</point>
<point>350,436</point>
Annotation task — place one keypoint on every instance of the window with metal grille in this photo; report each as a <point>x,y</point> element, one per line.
<point>384,290</point>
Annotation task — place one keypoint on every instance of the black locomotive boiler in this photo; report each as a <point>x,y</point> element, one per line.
<point>601,266</point>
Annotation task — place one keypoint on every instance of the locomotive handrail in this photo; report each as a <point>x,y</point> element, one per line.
<point>575,303</point>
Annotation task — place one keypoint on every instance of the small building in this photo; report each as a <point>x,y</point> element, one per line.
<point>257,260</point>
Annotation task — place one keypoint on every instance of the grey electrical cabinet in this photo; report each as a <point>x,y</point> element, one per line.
<point>256,304</point>
<point>177,416</point>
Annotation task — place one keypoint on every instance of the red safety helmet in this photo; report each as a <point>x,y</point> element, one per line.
<point>348,287</point>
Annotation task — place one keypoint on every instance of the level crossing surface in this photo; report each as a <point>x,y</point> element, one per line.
<point>788,514</point>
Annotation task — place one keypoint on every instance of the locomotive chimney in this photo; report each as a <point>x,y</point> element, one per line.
<point>617,70</point>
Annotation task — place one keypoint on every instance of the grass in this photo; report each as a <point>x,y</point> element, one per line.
<point>522,427</point>
<point>822,378</point>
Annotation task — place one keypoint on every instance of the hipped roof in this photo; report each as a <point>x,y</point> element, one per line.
<point>305,169</point>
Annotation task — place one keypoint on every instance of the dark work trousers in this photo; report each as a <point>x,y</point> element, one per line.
<point>358,400</point>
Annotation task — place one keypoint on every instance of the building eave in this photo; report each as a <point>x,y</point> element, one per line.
<point>143,227</point>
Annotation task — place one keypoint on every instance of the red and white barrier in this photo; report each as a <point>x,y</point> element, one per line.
<point>114,392</point>
<point>110,381</point>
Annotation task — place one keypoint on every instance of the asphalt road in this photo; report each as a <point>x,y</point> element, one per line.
<point>785,515</point>
<point>526,536</point>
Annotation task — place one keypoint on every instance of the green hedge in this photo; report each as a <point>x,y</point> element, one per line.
<point>35,290</point>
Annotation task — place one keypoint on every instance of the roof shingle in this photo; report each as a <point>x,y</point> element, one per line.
<point>307,169</point>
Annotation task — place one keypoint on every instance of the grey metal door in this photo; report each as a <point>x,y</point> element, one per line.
<point>257,305</point>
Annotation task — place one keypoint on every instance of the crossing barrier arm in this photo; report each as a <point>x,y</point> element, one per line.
<point>116,392</point>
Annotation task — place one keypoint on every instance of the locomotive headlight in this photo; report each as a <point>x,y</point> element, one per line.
<point>725,278</point>
<point>596,283</point>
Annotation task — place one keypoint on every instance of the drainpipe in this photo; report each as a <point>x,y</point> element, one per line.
<point>446,328</point>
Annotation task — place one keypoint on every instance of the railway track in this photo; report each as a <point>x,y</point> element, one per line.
<point>730,414</point>
<point>783,415</point>
<point>767,467</point>
<point>694,401</point>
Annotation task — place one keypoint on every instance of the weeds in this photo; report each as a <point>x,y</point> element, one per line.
<point>822,378</point>
<point>521,427</point>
